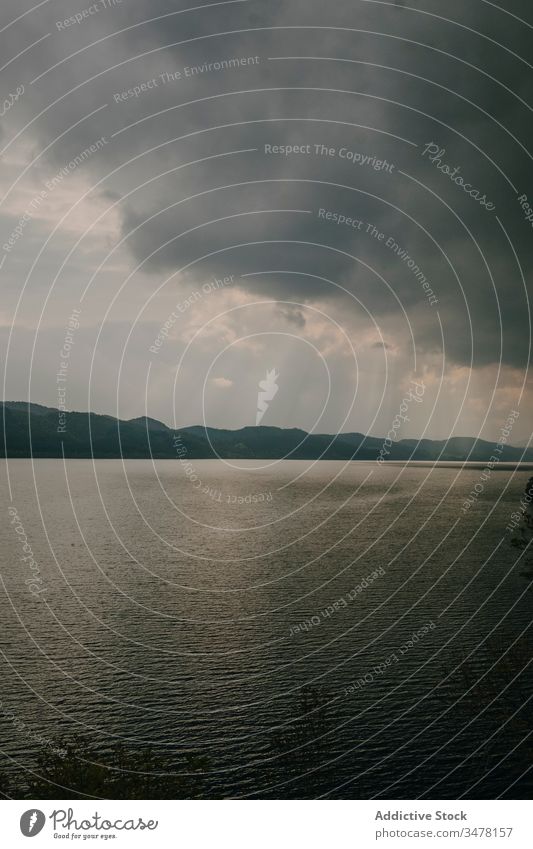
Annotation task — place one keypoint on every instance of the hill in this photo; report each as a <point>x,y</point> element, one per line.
<point>32,431</point>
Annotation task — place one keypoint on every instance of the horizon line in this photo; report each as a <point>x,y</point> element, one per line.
<point>259,427</point>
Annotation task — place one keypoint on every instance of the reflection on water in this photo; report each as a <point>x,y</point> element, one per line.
<point>310,629</point>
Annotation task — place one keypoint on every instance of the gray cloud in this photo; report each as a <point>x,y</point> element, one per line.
<point>185,160</point>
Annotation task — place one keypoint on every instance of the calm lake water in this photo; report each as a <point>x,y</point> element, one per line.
<point>190,613</point>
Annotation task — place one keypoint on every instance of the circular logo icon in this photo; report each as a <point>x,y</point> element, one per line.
<point>32,822</point>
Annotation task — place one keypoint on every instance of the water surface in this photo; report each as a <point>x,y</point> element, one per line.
<point>189,612</point>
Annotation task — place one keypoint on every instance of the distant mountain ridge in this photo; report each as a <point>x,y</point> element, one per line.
<point>31,430</point>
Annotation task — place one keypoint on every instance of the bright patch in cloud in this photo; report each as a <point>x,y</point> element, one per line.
<point>221,382</point>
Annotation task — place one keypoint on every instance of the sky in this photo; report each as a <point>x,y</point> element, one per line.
<point>197,194</point>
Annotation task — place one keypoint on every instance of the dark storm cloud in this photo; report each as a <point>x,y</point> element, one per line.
<point>410,78</point>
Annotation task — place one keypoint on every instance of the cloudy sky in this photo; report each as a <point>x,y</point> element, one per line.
<point>216,190</point>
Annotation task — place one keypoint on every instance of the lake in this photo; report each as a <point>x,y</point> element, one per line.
<point>327,629</point>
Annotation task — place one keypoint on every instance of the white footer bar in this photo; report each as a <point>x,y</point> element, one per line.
<point>267,824</point>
